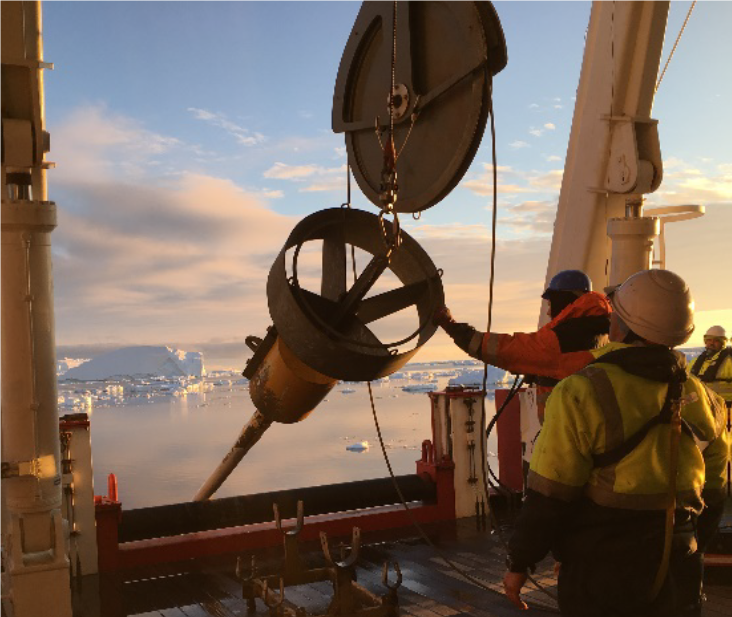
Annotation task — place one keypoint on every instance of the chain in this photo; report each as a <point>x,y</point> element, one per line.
<point>348,205</point>
<point>392,236</point>
<point>389,187</point>
<point>412,121</point>
<point>393,74</point>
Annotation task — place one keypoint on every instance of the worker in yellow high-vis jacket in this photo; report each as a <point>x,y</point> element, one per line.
<point>602,473</point>
<point>714,365</point>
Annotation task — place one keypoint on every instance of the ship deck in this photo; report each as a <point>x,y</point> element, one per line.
<point>430,587</point>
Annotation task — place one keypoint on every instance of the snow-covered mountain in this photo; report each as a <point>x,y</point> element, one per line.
<point>141,361</point>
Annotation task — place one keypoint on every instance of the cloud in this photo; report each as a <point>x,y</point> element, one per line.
<point>94,144</point>
<point>281,171</point>
<point>533,106</point>
<point>483,186</point>
<point>330,184</point>
<point>534,206</point>
<point>241,134</point>
<point>553,158</point>
<point>134,260</point>
<point>531,217</point>
<point>513,182</point>
<point>271,194</point>
<point>454,231</point>
<point>321,178</point>
<point>517,145</point>
<point>550,180</point>
<point>673,162</point>
<point>538,132</point>
<point>148,252</point>
<point>684,183</point>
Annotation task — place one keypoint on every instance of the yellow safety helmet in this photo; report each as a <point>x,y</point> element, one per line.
<point>716,332</point>
<point>657,306</point>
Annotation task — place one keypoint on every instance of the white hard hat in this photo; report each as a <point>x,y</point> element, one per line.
<point>716,332</point>
<point>657,306</point>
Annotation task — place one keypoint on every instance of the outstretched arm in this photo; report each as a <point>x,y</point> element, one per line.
<point>465,336</point>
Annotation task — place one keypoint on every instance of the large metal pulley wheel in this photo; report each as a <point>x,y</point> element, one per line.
<point>446,53</point>
<point>329,320</point>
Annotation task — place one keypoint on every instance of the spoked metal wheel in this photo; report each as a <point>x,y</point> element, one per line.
<point>329,329</point>
<point>445,55</point>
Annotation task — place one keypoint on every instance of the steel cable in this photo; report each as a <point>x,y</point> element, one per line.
<point>673,49</point>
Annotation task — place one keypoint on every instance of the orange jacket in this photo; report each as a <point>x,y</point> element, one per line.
<point>539,353</point>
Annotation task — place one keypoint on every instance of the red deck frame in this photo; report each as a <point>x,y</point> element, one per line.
<point>115,556</point>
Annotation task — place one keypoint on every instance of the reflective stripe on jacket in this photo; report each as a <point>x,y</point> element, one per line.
<point>599,408</point>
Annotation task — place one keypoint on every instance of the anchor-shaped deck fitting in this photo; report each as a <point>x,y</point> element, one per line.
<point>275,607</point>
<point>391,598</point>
<point>345,562</point>
<point>248,583</point>
<point>294,569</point>
<point>343,575</point>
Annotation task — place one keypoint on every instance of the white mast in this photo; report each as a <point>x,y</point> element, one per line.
<point>614,156</point>
<point>34,538</point>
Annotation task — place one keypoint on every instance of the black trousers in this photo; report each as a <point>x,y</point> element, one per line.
<point>609,566</point>
<point>619,587</point>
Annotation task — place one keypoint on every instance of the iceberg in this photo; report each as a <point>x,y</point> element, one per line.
<point>140,361</point>
<point>420,387</point>
<point>474,377</point>
<point>68,363</point>
<point>361,446</point>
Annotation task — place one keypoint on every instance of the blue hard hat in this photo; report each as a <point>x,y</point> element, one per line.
<point>569,280</point>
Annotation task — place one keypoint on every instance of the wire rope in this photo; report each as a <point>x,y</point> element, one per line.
<point>476,581</point>
<point>494,219</point>
<point>420,530</point>
<point>676,43</point>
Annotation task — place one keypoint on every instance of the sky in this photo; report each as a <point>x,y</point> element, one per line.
<point>190,138</point>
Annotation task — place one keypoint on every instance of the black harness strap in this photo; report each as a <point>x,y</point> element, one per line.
<point>711,373</point>
<point>615,455</point>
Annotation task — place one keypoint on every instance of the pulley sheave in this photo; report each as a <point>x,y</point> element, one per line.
<point>445,54</point>
<point>329,331</point>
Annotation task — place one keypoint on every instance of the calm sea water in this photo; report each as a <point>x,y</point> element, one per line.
<point>163,448</point>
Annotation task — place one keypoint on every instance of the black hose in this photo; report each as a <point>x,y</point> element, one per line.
<point>515,387</point>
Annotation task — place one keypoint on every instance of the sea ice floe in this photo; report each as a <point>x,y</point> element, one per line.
<point>361,446</point>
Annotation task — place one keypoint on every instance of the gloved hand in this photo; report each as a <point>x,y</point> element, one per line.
<point>442,317</point>
<point>461,333</point>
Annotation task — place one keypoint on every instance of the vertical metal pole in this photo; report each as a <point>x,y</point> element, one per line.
<point>33,531</point>
<point>619,70</point>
